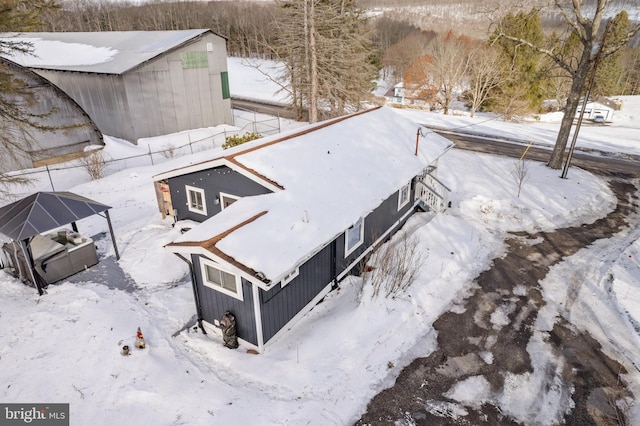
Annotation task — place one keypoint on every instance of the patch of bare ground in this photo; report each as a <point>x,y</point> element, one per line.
<point>490,337</point>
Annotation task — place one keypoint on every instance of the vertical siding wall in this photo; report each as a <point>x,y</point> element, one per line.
<point>376,223</point>
<point>212,181</point>
<point>63,111</point>
<point>168,95</point>
<point>157,98</point>
<point>279,305</point>
<point>214,304</point>
<point>102,96</point>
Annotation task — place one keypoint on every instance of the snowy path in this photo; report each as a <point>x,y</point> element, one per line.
<point>522,349</point>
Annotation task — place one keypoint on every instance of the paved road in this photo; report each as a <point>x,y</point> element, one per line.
<point>602,163</point>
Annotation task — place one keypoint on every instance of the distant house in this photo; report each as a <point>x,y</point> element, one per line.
<point>283,219</point>
<point>594,109</point>
<point>137,84</point>
<point>406,95</point>
<point>50,107</point>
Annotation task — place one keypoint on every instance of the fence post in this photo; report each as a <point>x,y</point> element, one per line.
<point>50,180</point>
<point>151,155</point>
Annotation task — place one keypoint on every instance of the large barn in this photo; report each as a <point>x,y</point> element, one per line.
<point>137,84</point>
<point>65,128</point>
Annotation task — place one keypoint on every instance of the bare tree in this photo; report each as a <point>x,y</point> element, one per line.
<point>394,266</point>
<point>586,20</point>
<point>450,61</point>
<point>520,173</point>
<point>486,72</point>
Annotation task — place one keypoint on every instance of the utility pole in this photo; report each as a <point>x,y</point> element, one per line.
<point>585,101</point>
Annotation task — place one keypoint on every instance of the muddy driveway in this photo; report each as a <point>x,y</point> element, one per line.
<point>490,336</point>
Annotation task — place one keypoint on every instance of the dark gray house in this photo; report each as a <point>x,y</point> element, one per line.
<point>137,84</point>
<point>275,223</point>
<point>72,130</point>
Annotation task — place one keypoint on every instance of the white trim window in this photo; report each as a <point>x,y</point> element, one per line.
<point>213,276</point>
<point>354,237</point>
<point>195,200</point>
<point>289,277</point>
<point>227,199</point>
<point>404,195</point>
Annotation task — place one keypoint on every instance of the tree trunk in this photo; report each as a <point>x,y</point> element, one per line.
<point>313,52</point>
<point>573,100</point>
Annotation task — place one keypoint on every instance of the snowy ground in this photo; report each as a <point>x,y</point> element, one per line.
<point>65,346</point>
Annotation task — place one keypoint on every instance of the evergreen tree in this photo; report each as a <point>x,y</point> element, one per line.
<point>329,58</point>
<point>585,19</point>
<point>608,79</point>
<point>16,99</point>
<point>527,81</point>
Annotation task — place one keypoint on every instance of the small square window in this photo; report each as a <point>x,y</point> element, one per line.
<point>403,195</point>
<point>289,277</point>
<point>354,236</point>
<point>227,199</point>
<point>218,279</point>
<point>195,200</point>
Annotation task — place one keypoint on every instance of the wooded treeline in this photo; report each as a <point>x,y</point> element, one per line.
<point>252,30</point>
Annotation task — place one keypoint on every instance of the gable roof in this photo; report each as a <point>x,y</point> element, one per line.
<point>44,211</point>
<point>332,174</point>
<point>106,52</point>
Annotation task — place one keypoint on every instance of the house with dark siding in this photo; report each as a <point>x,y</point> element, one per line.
<point>276,223</point>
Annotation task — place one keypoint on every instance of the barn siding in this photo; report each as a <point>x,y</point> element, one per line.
<point>48,147</point>
<point>156,98</point>
<point>214,304</point>
<point>102,96</point>
<point>212,181</point>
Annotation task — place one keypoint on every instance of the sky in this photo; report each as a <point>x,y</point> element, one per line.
<point>65,346</point>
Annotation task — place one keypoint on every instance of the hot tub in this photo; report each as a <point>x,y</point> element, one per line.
<point>61,254</point>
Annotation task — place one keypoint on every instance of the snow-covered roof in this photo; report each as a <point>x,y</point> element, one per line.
<point>107,52</point>
<point>331,174</point>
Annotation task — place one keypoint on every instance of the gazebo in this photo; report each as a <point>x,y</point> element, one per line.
<point>42,259</point>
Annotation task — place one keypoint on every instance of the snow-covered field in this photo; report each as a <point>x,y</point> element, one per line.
<point>65,346</point>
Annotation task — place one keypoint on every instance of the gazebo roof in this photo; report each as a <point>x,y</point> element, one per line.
<point>44,211</point>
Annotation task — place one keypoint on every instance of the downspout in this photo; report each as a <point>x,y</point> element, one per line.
<point>196,295</point>
<point>334,264</point>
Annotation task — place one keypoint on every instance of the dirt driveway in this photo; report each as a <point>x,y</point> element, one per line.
<point>470,344</point>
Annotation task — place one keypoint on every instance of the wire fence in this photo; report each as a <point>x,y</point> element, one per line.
<point>158,151</point>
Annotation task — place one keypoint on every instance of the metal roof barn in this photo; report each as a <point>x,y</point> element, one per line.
<point>137,84</point>
<point>50,107</point>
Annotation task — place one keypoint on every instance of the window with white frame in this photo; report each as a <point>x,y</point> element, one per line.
<point>289,277</point>
<point>195,200</point>
<point>403,195</point>
<point>213,276</point>
<point>354,236</point>
<point>227,199</point>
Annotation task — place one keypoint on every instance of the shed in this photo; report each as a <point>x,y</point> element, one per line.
<point>137,84</point>
<point>593,109</point>
<point>41,260</point>
<point>72,130</point>
<point>284,219</point>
